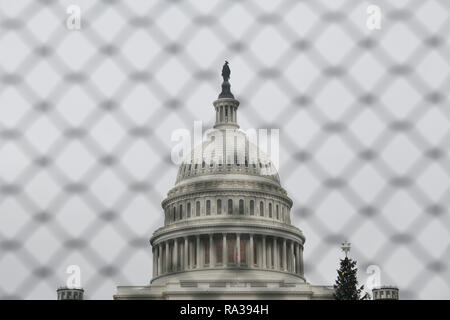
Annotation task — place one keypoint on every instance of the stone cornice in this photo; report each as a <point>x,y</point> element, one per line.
<point>233,187</point>
<point>229,279</point>
<point>227,176</point>
<point>192,229</point>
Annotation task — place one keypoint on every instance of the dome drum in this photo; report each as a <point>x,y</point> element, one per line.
<point>226,205</point>
<point>224,249</point>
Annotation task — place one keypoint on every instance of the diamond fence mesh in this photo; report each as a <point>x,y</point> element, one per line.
<point>86,118</point>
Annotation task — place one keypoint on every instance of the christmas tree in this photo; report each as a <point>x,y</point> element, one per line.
<point>346,287</point>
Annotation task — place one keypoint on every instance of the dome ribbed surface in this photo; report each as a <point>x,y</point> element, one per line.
<point>227,152</point>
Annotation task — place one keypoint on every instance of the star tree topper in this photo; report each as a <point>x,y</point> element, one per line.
<point>346,246</point>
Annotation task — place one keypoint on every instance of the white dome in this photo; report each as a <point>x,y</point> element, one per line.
<point>227,152</point>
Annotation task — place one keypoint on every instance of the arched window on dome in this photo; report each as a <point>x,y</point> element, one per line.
<point>252,207</point>
<point>208,207</point>
<point>241,206</point>
<point>230,206</point>
<point>219,206</point>
<point>203,164</point>
<point>277,212</point>
<point>174,213</point>
<point>270,210</point>
<point>180,213</point>
<point>188,209</point>
<point>197,209</point>
<point>261,209</point>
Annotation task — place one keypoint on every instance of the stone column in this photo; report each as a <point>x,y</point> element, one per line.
<point>301,260</point>
<point>224,250</point>
<point>186,252</point>
<point>259,248</point>
<point>197,251</point>
<point>297,258</point>
<point>252,258</point>
<point>279,252</point>
<point>238,244</point>
<point>183,255</point>
<point>192,255</point>
<point>167,257</point>
<point>292,265</point>
<point>154,262</point>
<point>284,256</point>
<point>160,259</point>
<point>264,252</point>
<point>211,251</point>
<point>175,257</point>
<point>275,254</point>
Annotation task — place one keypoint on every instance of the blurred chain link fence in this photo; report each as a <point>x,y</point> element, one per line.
<point>86,117</point>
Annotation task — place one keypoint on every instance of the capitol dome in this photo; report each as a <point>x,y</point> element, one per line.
<point>226,152</point>
<point>227,230</point>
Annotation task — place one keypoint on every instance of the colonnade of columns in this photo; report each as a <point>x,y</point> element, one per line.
<point>227,250</point>
<point>225,113</point>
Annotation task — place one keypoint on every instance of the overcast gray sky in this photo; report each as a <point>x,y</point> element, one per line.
<point>86,118</point>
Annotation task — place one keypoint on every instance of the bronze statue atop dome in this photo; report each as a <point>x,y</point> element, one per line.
<point>226,90</point>
<point>226,71</point>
